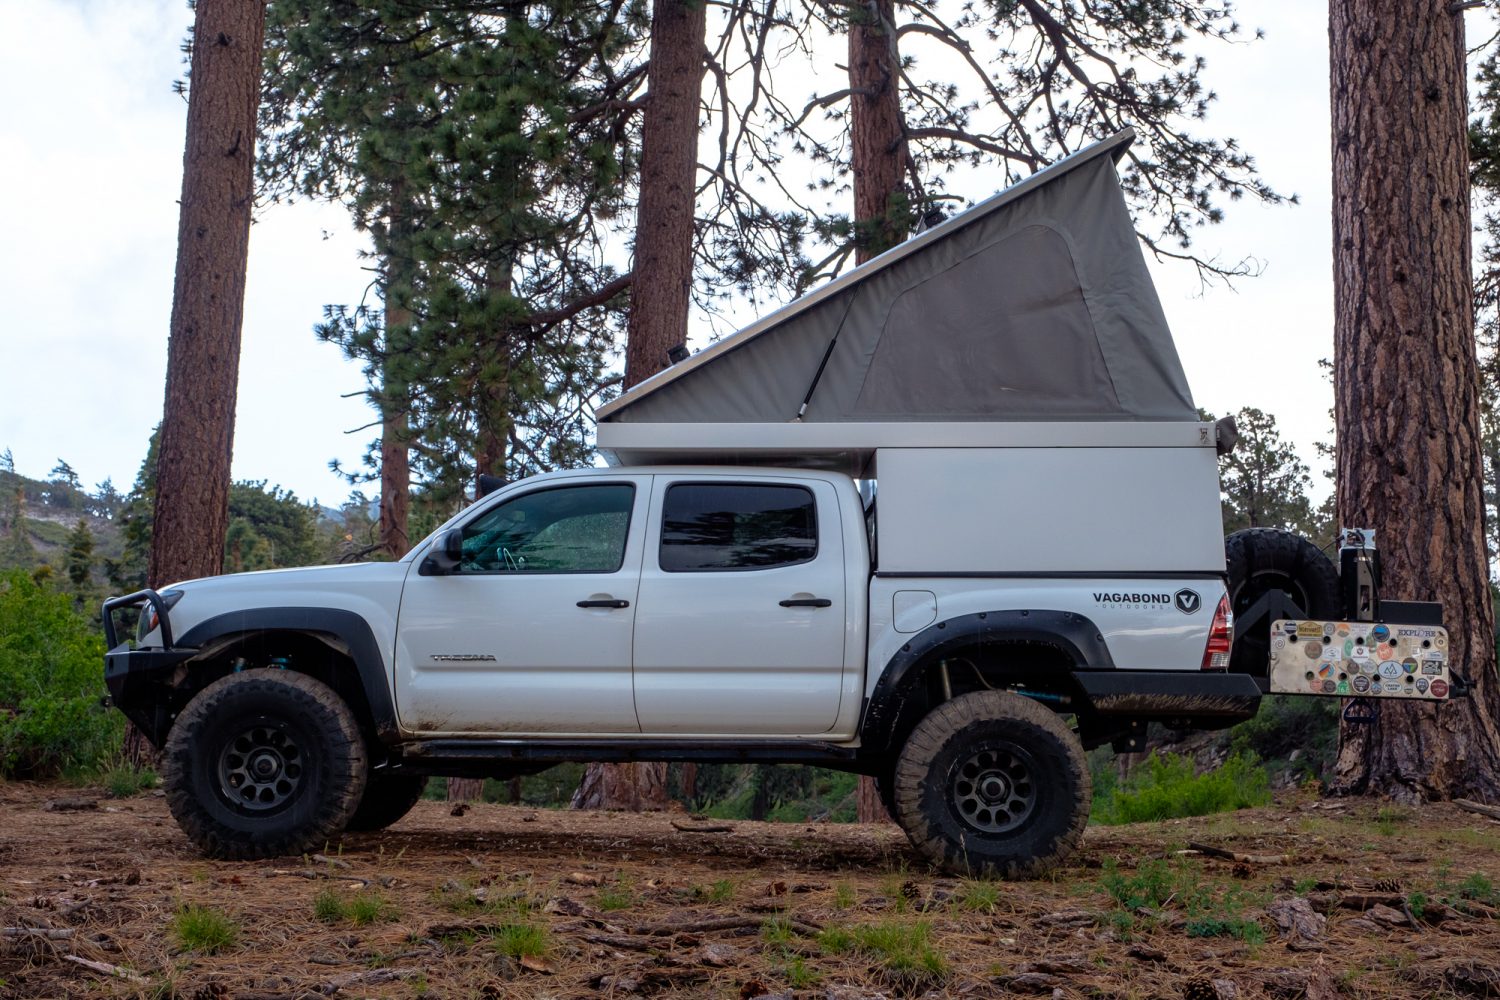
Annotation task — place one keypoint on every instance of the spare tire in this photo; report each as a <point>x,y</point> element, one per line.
<point>1260,560</point>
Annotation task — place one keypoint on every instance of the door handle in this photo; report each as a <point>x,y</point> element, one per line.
<point>612,603</point>
<point>806,602</point>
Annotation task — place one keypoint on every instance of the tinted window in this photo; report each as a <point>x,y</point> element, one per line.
<point>729,526</point>
<point>570,529</point>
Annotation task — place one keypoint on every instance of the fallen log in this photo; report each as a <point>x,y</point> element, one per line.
<point>1251,859</point>
<point>104,968</point>
<point>1493,812</point>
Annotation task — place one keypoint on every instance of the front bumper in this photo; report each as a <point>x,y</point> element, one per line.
<point>140,680</point>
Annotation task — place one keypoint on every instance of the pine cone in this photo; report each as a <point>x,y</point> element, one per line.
<point>1392,885</point>
<point>1240,870</point>
<point>1200,988</point>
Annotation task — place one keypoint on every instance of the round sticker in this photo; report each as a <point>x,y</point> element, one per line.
<point>1312,650</point>
<point>1375,687</point>
<point>1439,688</point>
<point>1343,628</point>
<point>1278,642</point>
<point>1329,687</point>
<point>1409,664</point>
<point>1343,687</point>
<point>1328,629</point>
<point>1384,652</point>
<point>1422,685</point>
<point>1324,670</point>
<point>1361,683</point>
<point>1381,633</point>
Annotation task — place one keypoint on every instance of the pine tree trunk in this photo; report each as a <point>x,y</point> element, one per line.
<point>1406,376</point>
<point>867,805</point>
<point>638,787</point>
<point>395,460</point>
<point>881,208</point>
<point>208,296</point>
<point>465,789</point>
<point>663,271</point>
<point>660,286</point>
<point>882,211</point>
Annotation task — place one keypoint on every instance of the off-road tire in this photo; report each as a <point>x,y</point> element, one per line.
<point>1259,559</point>
<point>993,723</point>
<point>387,798</point>
<point>885,787</point>
<point>322,759</point>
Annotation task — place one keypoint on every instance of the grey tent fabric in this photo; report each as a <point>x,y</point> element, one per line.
<point>1033,305</point>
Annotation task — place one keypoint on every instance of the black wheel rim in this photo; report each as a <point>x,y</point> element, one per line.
<point>261,769</point>
<point>994,789</point>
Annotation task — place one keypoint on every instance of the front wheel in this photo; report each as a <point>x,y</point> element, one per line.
<point>264,763</point>
<point>992,784</point>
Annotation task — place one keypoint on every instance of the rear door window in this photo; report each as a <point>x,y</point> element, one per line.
<point>717,527</point>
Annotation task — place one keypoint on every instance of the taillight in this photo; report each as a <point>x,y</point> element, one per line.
<point>1220,638</point>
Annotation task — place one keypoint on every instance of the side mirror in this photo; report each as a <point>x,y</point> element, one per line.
<point>445,555</point>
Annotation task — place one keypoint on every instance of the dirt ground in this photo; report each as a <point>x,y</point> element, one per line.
<point>1338,899</point>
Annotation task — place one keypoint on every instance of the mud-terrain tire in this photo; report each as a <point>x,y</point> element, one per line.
<point>387,798</point>
<point>885,787</point>
<point>264,763</point>
<point>993,784</point>
<point>1259,560</point>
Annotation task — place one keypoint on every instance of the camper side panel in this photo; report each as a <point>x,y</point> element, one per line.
<point>1043,511</point>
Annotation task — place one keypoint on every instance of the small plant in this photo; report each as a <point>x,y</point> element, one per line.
<point>843,896</point>
<point>368,907</point>
<point>1480,889</point>
<point>328,907</point>
<point>799,975</point>
<point>1387,819</point>
<point>721,891</point>
<point>1303,886</point>
<point>122,781</point>
<point>776,932</point>
<point>978,896</point>
<point>904,951</point>
<point>203,929</point>
<point>1152,884</point>
<point>836,940</point>
<point>523,938</point>
<point>615,897</point>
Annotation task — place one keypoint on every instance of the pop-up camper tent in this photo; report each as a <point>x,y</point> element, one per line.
<point>1021,341</point>
<point>1034,305</point>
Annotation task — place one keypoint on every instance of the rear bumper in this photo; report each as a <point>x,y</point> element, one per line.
<point>1191,699</point>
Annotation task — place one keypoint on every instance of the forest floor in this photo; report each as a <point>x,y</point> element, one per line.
<point>1338,898</point>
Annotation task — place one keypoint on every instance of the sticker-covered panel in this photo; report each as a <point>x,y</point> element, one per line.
<point>1359,660</point>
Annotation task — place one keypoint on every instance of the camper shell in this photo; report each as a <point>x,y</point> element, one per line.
<point>1007,378</point>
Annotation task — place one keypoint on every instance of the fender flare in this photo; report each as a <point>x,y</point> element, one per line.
<point>1075,636</point>
<point>348,627</point>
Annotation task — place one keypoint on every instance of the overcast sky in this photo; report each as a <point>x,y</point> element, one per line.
<point>92,161</point>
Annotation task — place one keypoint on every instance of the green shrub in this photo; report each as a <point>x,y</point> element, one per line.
<point>202,928</point>
<point>1164,787</point>
<point>122,780</point>
<point>1287,723</point>
<point>51,682</point>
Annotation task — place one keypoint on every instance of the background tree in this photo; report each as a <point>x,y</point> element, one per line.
<point>203,351</point>
<point>1406,383</point>
<point>1265,483</point>
<point>80,564</point>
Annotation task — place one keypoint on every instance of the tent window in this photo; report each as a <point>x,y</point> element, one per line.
<point>1004,331</point>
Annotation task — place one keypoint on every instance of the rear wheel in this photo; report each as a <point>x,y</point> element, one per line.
<point>264,763</point>
<point>387,798</point>
<point>1262,560</point>
<point>992,784</point>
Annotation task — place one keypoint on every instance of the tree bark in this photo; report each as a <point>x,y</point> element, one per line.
<point>867,805</point>
<point>395,458</point>
<point>879,153</point>
<point>663,272</point>
<point>882,208</point>
<point>208,296</point>
<point>1406,376</point>
<point>661,284</point>
<point>465,789</point>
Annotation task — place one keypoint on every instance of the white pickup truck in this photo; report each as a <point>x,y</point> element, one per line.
<point>948,521</point>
